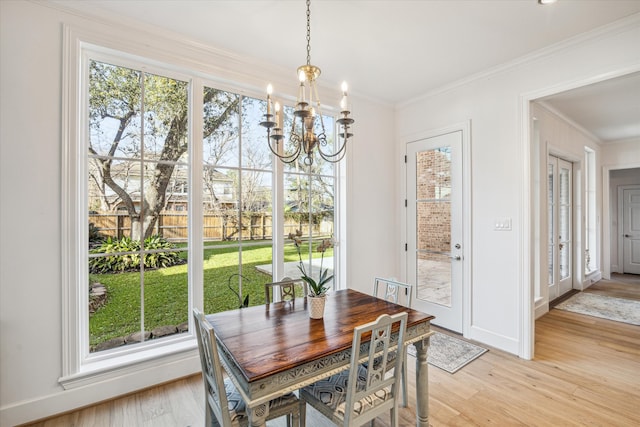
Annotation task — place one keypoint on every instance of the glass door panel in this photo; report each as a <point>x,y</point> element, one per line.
<point>559,219</point>
<point>434,202</point>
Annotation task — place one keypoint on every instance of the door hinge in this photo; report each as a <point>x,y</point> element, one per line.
<point>405,203</point>
<point>406,247</point>
<point>405,158</point>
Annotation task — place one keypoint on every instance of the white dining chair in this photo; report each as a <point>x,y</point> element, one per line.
<point>359,395</point>
<point>286,289</point>
<point>399,293</point>
<point>393,290</point>
<point>222,401</point>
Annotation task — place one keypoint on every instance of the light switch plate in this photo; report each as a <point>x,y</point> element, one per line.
<point>502,224</point>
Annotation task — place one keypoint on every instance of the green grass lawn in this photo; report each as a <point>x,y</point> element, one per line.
<point>166,291</point>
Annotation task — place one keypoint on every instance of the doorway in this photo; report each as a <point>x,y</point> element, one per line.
<point>435,227</point>
<point>630,213</point>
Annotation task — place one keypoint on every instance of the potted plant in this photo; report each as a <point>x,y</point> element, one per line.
<point>317,289</point>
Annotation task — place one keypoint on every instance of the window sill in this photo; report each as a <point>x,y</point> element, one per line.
<point>115,366</point>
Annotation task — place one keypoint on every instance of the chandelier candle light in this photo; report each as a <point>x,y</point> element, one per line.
<point>307,128</point>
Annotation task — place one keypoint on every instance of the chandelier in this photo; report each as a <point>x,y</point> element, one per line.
<point>307,129</point>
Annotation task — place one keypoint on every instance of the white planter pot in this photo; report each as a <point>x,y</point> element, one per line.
<point>316,307</point>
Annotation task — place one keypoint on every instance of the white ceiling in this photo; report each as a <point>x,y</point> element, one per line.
<point>394,51</point>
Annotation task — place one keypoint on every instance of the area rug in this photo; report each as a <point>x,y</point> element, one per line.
<point>617,309</point>
<point>449,353</point>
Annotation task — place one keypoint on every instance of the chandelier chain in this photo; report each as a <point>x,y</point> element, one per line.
<point>308,133</point>
<point>308,32</point>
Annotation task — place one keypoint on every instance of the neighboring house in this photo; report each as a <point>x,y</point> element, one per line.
<point>220,189</point>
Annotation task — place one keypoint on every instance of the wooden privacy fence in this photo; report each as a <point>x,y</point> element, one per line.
<point>174,226</point>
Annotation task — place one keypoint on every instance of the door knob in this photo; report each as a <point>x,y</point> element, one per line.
<point>457,257</point>
<point>627,235</point>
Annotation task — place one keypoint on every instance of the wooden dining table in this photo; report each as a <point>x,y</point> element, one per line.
<point>273,349</point>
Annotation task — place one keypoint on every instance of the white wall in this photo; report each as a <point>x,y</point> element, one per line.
<point>30,218</point>
<point>622,154</point>
<point>497,105</point>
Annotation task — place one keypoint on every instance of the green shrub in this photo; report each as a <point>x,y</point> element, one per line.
<point>127,255</point>
<point>95,238</point>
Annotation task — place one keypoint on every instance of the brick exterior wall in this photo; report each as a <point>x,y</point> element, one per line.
<point>433,182</point>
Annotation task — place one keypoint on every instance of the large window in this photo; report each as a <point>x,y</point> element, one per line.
<point>173,201</point>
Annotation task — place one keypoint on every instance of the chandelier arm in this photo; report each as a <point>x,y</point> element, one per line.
<point>287,158</point>
<point>340,152</point>
<point>332,158</point>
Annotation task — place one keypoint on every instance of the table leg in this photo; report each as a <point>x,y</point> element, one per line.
<point>422,383</point>
<point>258,415</point>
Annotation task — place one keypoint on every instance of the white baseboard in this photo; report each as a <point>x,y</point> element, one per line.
<point>76,398</point>
<point>593,277</point>
<point>508,344</point>
<point>541,310</point>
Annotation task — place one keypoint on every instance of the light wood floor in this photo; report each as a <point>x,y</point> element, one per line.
<point>586,371</point>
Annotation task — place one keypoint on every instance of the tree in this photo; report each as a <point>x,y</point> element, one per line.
<point>141,119</point>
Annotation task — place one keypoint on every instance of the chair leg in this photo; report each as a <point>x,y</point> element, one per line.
<point>303,414</point>
<point>404,385</point>
<point>210,419</point>
<point>394,415</point>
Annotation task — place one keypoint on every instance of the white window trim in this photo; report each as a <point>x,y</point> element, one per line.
<point>80,369</point>
<point>78,366</point>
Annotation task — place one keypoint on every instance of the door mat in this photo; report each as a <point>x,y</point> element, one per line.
<point>611,308</point>
<point>449,353</point>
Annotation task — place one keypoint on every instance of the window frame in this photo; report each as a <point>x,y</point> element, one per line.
<point>145,53</point>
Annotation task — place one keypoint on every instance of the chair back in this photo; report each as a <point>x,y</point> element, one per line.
<point>393,291</point>
<point>286,289</point>
<point>368,383</point>
<point>214,388</point>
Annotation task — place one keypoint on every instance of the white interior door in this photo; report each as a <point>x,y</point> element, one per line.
<point>631,230</point>
<point>435,227</point>
<point>560,242</point>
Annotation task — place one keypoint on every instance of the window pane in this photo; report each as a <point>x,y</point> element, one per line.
<point>114,110</point>
<point>255,150</point>
<point>166,302</point>
<point>221,277</point>
<point>256,202</point>
<point>220,135</point>
<point>296,203</point>
<point>434,226</point>
<point>434,174</point>
<point>114,303</point>
<point>165,118</point>
<point>322,205</point>
<point>220,204</point>
<point>434,278</point>
<point>257,262</point>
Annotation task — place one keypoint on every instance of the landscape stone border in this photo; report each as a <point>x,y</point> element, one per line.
<point>98,298</point>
